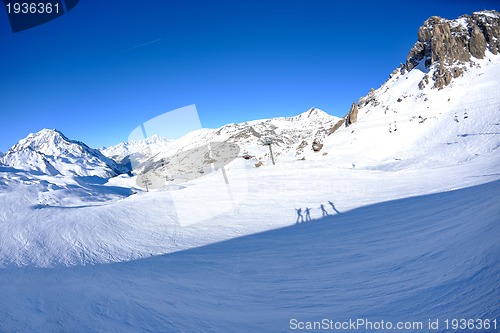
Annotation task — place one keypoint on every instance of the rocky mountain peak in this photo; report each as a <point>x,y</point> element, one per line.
<point>444,47</point>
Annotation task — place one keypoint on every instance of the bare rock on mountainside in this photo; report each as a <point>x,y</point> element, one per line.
<point>317,145</point>
<point>336,126</point>
<point>352,116</point>
<point>368,99</point>
<point>447,46</point>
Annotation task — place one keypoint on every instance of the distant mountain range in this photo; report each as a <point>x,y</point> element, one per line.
<point>291,137</point>
<point>51,152</point>
<point>448,77</point>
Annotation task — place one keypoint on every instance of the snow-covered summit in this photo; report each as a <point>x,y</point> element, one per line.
<point>46,141</point>
<point>311,115</point>
<point>51,152</point>
<point>309,125</point>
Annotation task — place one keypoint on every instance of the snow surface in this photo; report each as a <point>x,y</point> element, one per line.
<point>432,256</point>
<point>409,231</point>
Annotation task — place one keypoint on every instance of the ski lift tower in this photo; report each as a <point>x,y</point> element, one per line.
<point>268,142</point>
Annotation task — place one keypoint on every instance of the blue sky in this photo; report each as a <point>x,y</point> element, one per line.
<point>105,67</point>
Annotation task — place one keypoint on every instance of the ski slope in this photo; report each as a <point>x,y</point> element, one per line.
<point>408,232</point>
<point>423,257</point>
<point>402,245</point>
<point>407,127</point>
<point>71,224</point>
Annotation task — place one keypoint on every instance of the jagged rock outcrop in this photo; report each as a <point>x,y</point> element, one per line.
<point>302,145</point>
<point>352,116</point>
<point>336,126</point>
<point>447,46</point>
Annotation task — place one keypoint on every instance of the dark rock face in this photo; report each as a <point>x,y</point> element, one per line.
<point>336,126</point>
<point>450,44</point>
<point>317,145</point>
<point>352,116</point>
<point>489,23</point>
<point>368,99</point>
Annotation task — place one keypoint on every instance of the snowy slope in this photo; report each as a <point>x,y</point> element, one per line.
<point>404,126</point>
<point>48,221</point>
<point>50,152</point>
<point>415,259</point>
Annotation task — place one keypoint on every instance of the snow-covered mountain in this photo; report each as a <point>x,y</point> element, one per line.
<point>50,152</point>
<point>292,137</point>
<point>415,118</point>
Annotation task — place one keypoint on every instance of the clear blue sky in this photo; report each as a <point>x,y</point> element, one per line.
<point>105,67</point>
